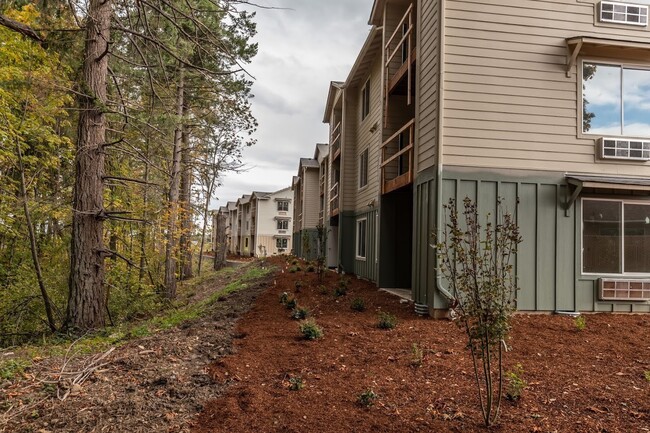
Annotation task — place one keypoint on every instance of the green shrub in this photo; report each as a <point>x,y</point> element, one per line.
<point>647,375</point>
<point>515,383</point>
<point>291,303</point>
<point>358,304</point>
<point>323,290</point>
<point>386,321</point>
<point>298,285</point>
<point>417,355</point>
<point>294,269</point>
<point>296,383</point>
<point>300,313</point>
<point>310,330</point>
<point>294,262</point>
<point>367,398</point>
<point>12,368</point>
<point>284,297</point>
<point>580,322</point>
<point>311,268</point>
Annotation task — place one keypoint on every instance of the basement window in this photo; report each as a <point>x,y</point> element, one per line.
<point>615,237</point>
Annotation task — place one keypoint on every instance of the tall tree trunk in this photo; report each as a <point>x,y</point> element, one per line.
<point>220,247</point>
<point>174,192</point>
<point>186,205</point>
<point>143,228</point>
<point>32,242</point>
<point>87,296</point>
<point>206,206</point>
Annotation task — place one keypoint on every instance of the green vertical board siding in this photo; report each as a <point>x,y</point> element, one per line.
<point>565,299</point>
<point>546,246</point>
<point>367,268</point>
<point>423,203</point>
<point>296,244</point>
<point>527,256</point>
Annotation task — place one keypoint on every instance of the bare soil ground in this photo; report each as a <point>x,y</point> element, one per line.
<point>232,372</point>
<point>578,381</point>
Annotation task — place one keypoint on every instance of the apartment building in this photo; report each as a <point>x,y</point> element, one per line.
<point>306,207</point>
<point>538,102</point>
<point>271,222</point>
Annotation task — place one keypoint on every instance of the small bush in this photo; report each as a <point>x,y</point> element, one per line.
<point>417,355</point>
<point>310,330</point>
<point>367,398</point>
<point>386,321</point>
<point>358,304</point>
<point>298,285</point>
<point>294,269</point>
<point>311,268</point>
<point>647,375</point>
<point>296,383</point>
<point>516,384</point>
<point>12,368</point>
<point>341,290</point>
<point>323,290</point>
<point>291,303</point>
<point>284,297</point>
<point>580,322</point>
<point>294,262</point>
<point>300,313</point>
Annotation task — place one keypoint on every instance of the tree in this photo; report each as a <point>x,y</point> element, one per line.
<point>477,262</point>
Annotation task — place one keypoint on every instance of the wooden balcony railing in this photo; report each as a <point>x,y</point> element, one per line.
<point>405,45</point>
<point>335,141</point>
<point>397,159</point>
<point>334,200</point>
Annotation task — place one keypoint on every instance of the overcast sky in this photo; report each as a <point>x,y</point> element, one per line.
<point>301,49</point>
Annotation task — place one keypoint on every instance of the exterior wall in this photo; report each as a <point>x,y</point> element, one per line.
<point>548,265</point>
<point>508,101</point>
<point>364,139</point>
<point>348,181</point>
<point>267,231</point>
<point>310,195</point>
<point>366,268</point>
<point>428,68</point>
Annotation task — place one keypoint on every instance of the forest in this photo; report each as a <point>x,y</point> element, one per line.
<point>117,120</point>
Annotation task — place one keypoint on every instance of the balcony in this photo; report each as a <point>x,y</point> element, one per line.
<point>397,159</point>
<point>399,70</point>
<point>334,200</point>
<point>335,141</point>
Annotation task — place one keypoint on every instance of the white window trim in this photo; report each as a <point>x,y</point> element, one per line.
<point>582,247</point>
<point>366,85</point>
<point>357,238</point>
<point>621,64</point>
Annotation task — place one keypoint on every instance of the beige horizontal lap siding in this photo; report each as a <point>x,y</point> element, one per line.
<point>348,179</point>
<point>370,140</point>
<point>428,55</point>
<point>508,101</point>
<point>311,197</point>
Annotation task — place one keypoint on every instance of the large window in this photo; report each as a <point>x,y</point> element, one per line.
<point>283,224</point>
<point>361,238</point>
<point>615,237</point>
<point>365,100</point>
<point>363,169</point>
<point>283,206</point>
<point>616,100</point>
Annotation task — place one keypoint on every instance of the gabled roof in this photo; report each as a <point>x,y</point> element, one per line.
<point>369,52</point>
<point>258,195</point>
<point>332,97</point>
<point>308,163</point>
<point>232,205</point>
<point>244,199</point>
<point>295,181</point>
<point>321,151</point>
<point>376,13</point>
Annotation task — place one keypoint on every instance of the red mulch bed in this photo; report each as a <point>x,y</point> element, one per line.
<point>578,381</point>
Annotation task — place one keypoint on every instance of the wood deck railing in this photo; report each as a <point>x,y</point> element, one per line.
<point>405,27</point>
<point>334,199</point>
<point>397,160</point>
<point>335,141</point>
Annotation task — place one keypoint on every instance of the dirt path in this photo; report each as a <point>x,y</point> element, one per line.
<point>153,384</point>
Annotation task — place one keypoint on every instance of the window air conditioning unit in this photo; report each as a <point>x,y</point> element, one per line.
<point>635,150</point>
<point>623,13</point>
<point>623,290</point>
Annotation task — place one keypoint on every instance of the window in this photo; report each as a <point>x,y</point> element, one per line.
<point>283,224</point>
<point>615,237</point>
<point>365,100</point>
<point>363,169</point>
<point>615,100</point>
<point>281,243</point>
<point>361,238</point>
<point>283,206</point>
<point>246,243</point>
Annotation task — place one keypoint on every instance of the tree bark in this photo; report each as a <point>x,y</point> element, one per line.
<point>186,206</point>
<point>220,247</point>
<point>21,28</point>
<point>206,206</point>
<point>87,297</point>
<point>174,193</point>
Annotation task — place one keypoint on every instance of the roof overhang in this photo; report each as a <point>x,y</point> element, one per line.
<point>333,97</point>
<point>368,54</point>
<point>376,13</point>
<point>602,47</point>
<point>580,182</point>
